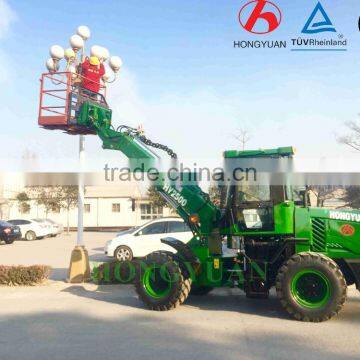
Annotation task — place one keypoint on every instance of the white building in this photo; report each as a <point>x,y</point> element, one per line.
<point>105,207</point>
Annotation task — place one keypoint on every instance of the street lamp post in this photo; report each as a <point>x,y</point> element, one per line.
<point>79,270</point>
<point>81,193</point>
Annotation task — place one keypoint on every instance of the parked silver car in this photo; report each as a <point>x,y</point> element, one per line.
<point>30,229</point>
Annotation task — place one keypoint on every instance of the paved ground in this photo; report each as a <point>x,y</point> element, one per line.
<point>62,321</point>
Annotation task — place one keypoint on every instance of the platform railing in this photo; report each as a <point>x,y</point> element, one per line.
<point>61,93</point>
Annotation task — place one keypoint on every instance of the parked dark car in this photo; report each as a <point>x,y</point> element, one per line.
<point>8,232</point>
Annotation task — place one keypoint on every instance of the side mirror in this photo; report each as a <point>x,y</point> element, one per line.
<point>139,233</point>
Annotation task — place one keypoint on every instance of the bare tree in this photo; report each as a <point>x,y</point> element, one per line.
<point>68,199</point>
<point>155,198</point>
<point>23,202</point>
<point>353,138</point>
<point>352,196</point>
<point>243,136</point>
<point>46,196</point>
<point>324,192</point>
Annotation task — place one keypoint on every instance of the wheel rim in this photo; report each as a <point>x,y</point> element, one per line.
<point>30,236</point>
<point>123,254</point>
<point>154,283</point>
<point>311,288</point>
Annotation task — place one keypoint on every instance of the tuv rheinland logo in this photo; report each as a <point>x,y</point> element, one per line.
<point>319,22</point>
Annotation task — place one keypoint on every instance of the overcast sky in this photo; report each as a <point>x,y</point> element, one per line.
<point>182,78</point>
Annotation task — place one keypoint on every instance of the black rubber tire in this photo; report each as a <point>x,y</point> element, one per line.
<point>30,235</point>
<point>179,290</point>
<point>9,241</point>
<point>126,250</point>
<point>328,268</point>
<point>200,290</point>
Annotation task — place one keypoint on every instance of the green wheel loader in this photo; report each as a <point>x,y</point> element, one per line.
<point>275,239</point>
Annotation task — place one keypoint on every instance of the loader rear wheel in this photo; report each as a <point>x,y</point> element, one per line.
<point>160,284</point>
<point>311,287</point>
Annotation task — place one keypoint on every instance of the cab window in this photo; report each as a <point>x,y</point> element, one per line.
<point>254,206</point>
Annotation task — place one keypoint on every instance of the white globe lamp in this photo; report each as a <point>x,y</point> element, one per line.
<point>96,51</point>
<point>52,65</point>
<point>76,42</point>
<point>104,54</point>
<point>84,32</point>
<point>69,54</point>
<point>56,52</point>
<point>115,63</point>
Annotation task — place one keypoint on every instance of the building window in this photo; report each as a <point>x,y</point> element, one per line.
<point>116,208</point>
<point>87,208</point>
<point>150,212</point>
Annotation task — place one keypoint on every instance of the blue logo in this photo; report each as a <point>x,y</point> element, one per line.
<point>318,22</point>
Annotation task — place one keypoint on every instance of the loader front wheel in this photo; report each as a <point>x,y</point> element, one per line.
<point>311,287</point>
<point>160,283</point>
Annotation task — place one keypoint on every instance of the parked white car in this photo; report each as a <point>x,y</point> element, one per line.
<point>53,227</point>
<point>143,240</point>
<point>30,229</point>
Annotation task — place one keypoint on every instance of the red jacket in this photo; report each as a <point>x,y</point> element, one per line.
<point>91,76</point>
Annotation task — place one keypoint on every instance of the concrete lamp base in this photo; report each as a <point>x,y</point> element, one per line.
<point>79,270</point>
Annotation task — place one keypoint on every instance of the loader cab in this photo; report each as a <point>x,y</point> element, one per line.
<point>252,206</point>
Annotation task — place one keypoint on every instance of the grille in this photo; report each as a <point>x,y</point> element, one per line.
<point>318,235</point>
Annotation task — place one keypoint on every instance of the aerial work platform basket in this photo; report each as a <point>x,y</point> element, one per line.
<point>61,97</point>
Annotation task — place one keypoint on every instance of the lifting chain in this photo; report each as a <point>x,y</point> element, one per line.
<point>140,136</point>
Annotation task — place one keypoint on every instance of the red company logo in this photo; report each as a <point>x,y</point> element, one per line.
<point>347,230</point>
<point>260,16</point>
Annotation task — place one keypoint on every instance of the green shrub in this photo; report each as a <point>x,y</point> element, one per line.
<point>24,275</point>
